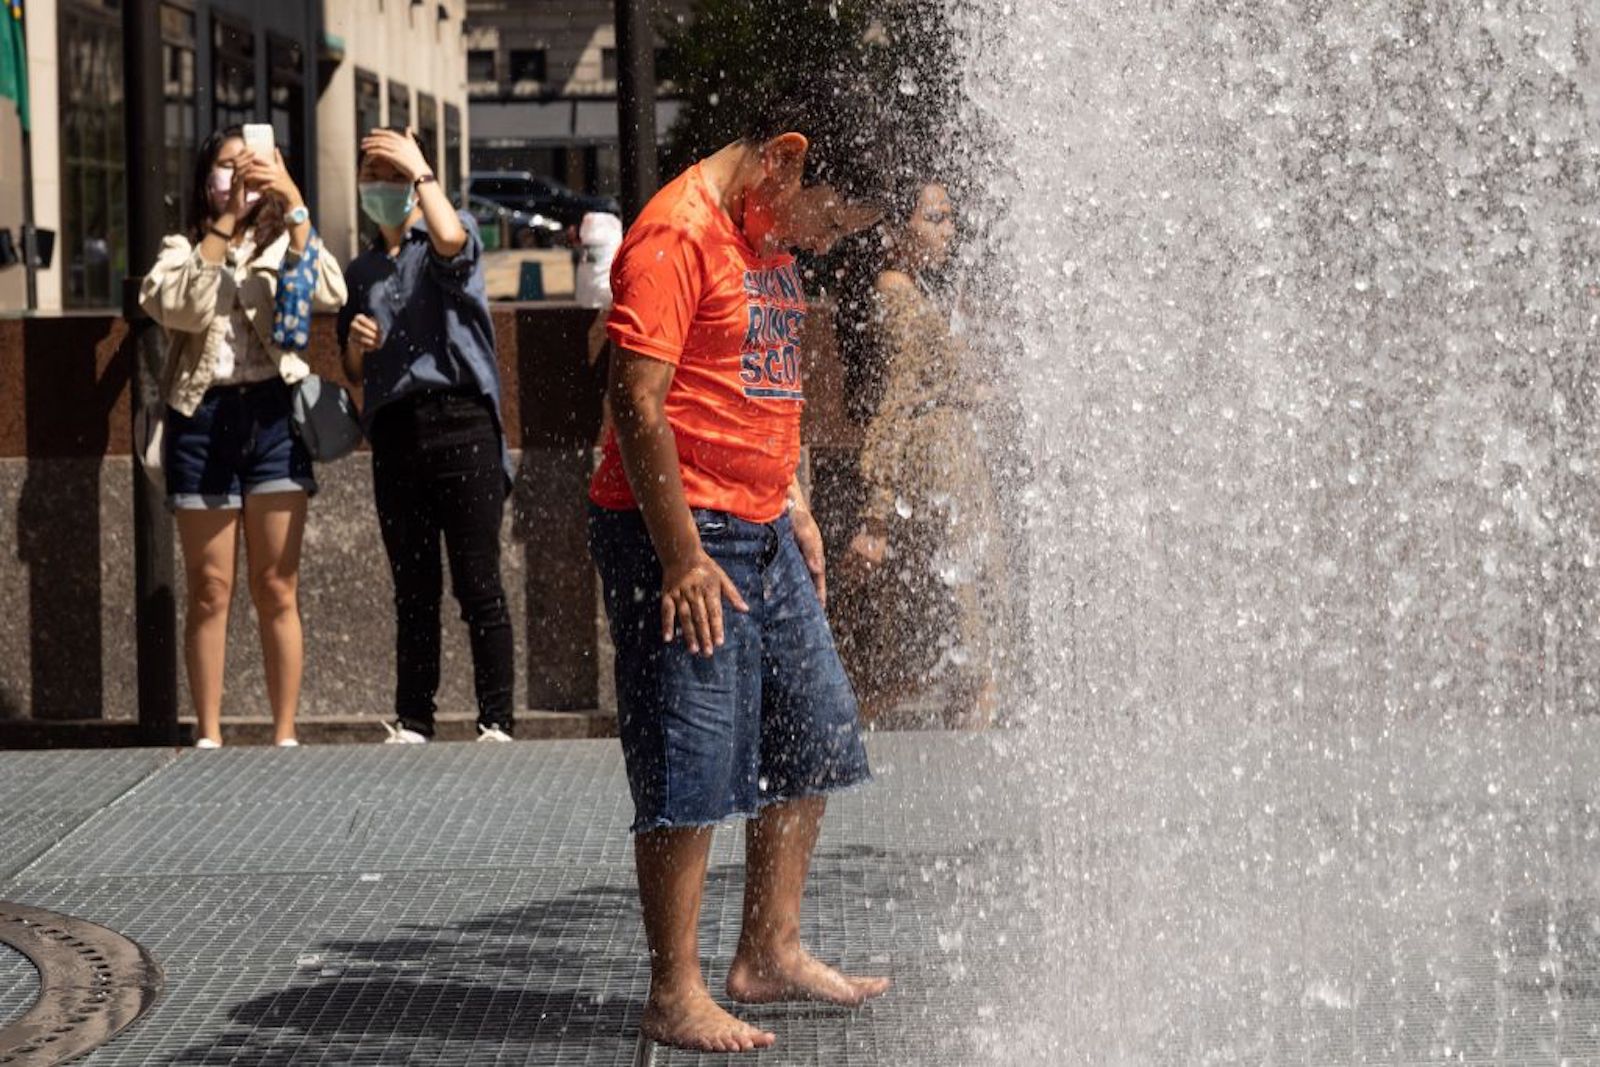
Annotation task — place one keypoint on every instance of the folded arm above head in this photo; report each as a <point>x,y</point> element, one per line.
<point>401,151</point>
<point>446,232</point>
<point>454,270</point>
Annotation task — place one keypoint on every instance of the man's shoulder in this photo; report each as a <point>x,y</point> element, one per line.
<point>679,211</point>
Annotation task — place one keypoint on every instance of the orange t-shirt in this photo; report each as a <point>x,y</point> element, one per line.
<point>689,290</point>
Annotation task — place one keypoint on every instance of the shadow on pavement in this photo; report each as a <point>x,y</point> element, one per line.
<point>550,973</point>
<point>565,974</point>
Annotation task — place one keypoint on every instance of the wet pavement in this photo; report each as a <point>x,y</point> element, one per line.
<point>1409,896</point>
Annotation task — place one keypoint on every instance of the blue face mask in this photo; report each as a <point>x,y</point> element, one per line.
<point>387,203</point>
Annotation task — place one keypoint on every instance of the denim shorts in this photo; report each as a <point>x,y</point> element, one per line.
<point>769,717</point>
<point>237,442</point>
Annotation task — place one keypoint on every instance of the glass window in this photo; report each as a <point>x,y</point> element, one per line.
<point>452,149</point>
<point>179,118</point>
<point>95,239</point>
<point>369,105</point>
<point>428,127</point>
<point>399,104</point>
<point>233,67</point>
<point>286,90</point>
<point>369,116</point>
<point>527,64</point>
<point>608,64</point>
<point>480,66</point>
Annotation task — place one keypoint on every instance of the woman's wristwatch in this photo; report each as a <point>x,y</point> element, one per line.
<point>422,179</point>
<point>297,215</point>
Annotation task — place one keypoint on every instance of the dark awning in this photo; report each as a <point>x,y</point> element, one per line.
<point>555,123</point>
<point>520,122</point>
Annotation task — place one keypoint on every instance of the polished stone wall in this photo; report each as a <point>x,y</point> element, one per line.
<point>67,642</point>
<point>67,647</point>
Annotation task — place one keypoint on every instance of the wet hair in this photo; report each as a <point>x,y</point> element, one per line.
<point>901,208</point>
<point>778,115</point>
<point>266,219</point>
<point>427,156</point>
<point>857,263</point>
<point>832,136</point>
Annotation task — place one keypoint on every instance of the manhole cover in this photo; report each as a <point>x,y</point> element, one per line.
<point>93,983</point>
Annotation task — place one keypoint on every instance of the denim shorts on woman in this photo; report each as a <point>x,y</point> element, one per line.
<point>237,442</point>
<point>769,717</point>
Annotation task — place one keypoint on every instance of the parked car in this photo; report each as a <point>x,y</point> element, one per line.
<point>521,190</point>
<point>513,228</point>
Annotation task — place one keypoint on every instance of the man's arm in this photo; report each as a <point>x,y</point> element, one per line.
<point>692,585</point>
<point>445,231</point>
<point>808,536</point>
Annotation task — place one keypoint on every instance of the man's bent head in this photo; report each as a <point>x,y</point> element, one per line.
<point>794,204</point>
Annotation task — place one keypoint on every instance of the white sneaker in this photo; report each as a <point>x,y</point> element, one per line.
<point>288,743</point>
<point>492,733</point>
<point>399,735</point>
<point>206,742</point>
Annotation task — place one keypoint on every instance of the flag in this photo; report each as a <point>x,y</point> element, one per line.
<point>14,58</point>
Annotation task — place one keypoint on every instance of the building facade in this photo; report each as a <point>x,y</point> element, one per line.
<point>390,63</point>
<point>542,80</point>
<point>317,70</point>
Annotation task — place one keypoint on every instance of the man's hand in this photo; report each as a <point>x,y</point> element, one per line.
<point>808,537</point>
<point>396,149</point>
<point>691,598</point>
<point>365,334</point>
<point>868,547</point>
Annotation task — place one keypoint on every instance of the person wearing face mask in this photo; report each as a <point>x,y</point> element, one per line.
<point>417,337</point>
<point>233,295</point>
<point>731,699</point>
<point>927,562</point>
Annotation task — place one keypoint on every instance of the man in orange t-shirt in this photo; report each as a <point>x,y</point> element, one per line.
<point>741,713</point>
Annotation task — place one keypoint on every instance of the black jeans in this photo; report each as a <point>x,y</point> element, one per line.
<point>436,473</point>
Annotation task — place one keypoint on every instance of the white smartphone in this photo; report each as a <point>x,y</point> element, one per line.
<point>258,138</point>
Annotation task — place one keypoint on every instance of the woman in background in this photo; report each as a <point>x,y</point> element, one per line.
<point>417,338</point>
<point>927,558</point>
<point>234,294</point>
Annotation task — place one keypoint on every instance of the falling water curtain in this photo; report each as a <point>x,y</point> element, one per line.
<point>14,59</point>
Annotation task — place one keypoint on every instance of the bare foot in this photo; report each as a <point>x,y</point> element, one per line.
<point>692,1020</point>
<point>797,975</point>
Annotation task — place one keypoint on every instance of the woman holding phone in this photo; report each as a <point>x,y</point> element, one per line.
<point>417,337</point>
<point>233,294</point>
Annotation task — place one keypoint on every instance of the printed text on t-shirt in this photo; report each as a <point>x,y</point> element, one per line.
<point>769,360</point>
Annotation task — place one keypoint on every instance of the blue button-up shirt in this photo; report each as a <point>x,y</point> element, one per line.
<point>434,317</point>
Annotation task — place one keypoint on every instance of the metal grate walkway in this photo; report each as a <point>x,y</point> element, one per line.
<point>466,904</point>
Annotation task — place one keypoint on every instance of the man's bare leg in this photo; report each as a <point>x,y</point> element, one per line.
<point>770,964</point>
<point>671,866</point>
